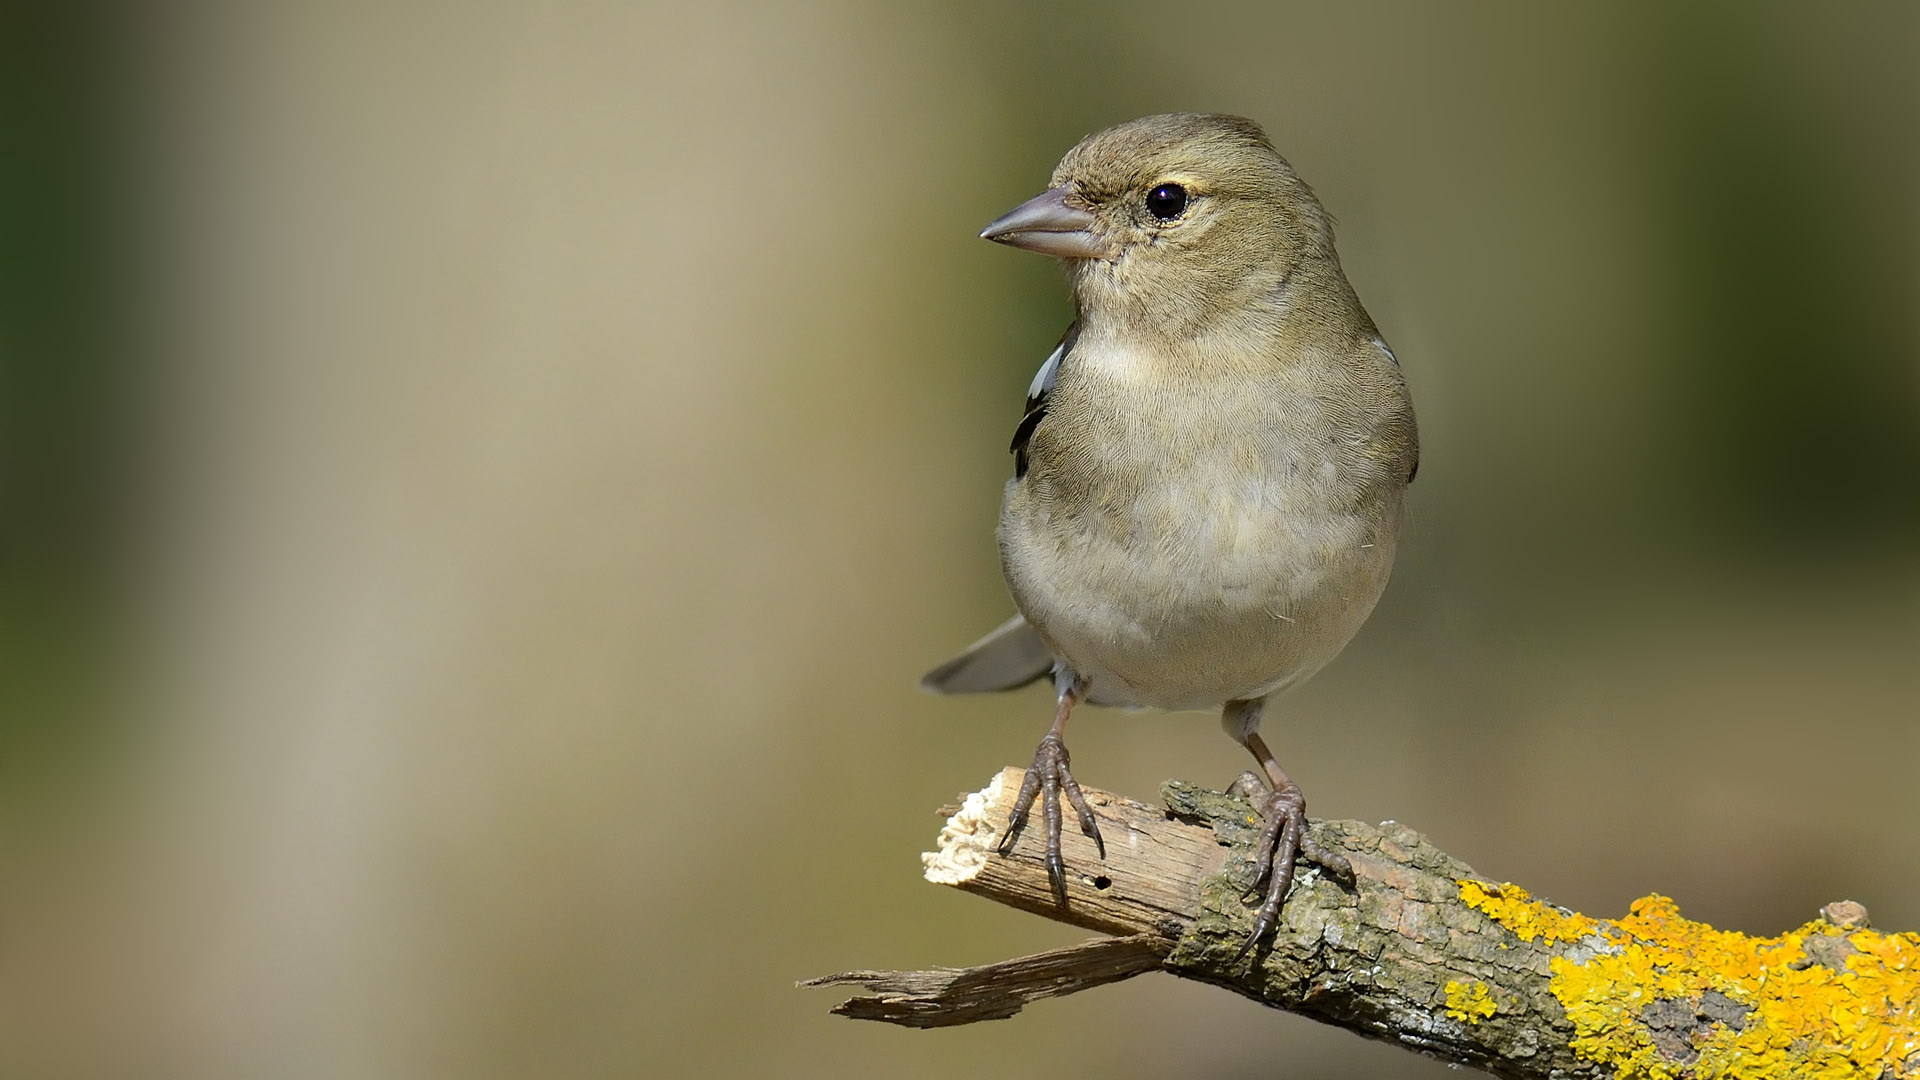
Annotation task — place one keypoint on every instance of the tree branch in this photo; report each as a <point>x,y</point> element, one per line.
<point>1420,952</point>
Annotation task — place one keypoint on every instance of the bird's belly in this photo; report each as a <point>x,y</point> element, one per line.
<point>1200,594</point>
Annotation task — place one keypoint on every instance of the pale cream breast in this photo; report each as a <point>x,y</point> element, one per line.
<point>1181,546</point>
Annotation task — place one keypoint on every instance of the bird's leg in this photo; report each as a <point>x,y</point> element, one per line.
<point>1285,833</point>
<point>1048,777</point>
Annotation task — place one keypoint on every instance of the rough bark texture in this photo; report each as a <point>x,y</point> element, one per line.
<point>1421,952</point>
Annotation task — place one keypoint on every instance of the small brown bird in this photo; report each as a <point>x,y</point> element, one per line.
<point>1209,476</point>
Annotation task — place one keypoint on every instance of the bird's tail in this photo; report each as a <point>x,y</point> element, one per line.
<point>1010,657</point>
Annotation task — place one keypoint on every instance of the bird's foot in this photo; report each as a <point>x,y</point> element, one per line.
<point>1283,838</point>
<point>1048,777</point>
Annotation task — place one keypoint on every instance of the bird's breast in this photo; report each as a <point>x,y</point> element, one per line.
<point>1182,548</point>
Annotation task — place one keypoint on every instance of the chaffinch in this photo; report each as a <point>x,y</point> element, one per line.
<point>1209,475</point>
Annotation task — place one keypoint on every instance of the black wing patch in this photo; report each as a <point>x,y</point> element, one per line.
<point>1043,381</point>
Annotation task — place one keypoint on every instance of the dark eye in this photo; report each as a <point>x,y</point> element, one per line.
<point>1167,201</point>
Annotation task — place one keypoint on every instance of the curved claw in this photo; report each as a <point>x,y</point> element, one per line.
<point>1049,776</point>
<point>1280,841</point>
<point>1334,863</point>
<point>1017,820</point>
<point>1084,812</point>
<point>1263,855</point>
<point>1050,813</point>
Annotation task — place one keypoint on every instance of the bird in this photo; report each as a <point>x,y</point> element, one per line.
<point>1210,473</point>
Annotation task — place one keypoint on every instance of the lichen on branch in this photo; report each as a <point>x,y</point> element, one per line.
<point>1423,952</point>
<point>1669,997</point>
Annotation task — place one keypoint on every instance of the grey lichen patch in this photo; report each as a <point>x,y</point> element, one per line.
<point>1721,1009</point>
<point>1671,1024</point>
<point>1584,951</point>
<point>1227,901</point>
<point>1677,1026</point>
<point>1829,951</point>
<point>1233,819</point>
<point>1378,957</point>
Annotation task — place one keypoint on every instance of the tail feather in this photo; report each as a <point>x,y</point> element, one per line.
<point>1007,659</point>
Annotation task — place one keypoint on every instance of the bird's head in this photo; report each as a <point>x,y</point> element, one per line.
<point>1172,220</point>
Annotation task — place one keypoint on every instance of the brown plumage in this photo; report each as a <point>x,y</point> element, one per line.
<point>1211,477</point>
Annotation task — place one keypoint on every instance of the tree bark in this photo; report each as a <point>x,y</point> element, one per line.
<point>1420,952</point>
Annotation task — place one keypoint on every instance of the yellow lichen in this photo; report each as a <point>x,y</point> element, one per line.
<point>1793,1016</point>
<point>1513,908</point>
<point>1469,1003</point>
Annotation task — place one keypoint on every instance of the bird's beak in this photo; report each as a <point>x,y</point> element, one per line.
<point>1048,225</point>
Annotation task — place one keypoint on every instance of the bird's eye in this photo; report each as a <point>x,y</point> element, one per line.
<point>1166,202</point>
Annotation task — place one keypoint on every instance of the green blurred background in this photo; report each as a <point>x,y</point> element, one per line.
<point>479,481</point>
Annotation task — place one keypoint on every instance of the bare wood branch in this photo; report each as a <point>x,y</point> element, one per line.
<point>1420,952</point>
<point>944,997</point>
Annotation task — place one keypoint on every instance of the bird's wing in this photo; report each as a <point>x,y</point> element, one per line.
<point>1412,435</point>
<point>1007,659</point>
<point>1037,392</point>
<point>1013,655</point>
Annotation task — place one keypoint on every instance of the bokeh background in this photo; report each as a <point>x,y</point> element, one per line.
<point>479,482</point>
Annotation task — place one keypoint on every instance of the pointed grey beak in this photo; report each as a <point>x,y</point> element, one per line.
<point>1046,224</point>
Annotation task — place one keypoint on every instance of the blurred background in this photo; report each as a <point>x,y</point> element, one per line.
<point>479,482</point>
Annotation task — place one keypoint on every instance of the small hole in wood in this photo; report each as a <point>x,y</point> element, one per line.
<point>1102,882</point>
